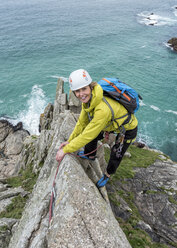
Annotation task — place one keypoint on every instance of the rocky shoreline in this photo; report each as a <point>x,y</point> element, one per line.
<point>141,197</point>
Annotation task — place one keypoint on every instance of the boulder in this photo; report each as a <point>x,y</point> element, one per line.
<point>5,129</point>
<point>11,144</point>
<point>14,142</point>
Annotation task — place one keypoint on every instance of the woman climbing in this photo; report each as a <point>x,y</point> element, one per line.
<point>95,119</point>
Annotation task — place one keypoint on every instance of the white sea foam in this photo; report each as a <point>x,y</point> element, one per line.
<point>25,95</point>
<point>35,106</point>
<point>49,83</point>
<point>149,18</point>
<point>171,111</point>
<point>168,45</point>
<point>175,10</point>
<point>144,138</point>
<point>155,108</point>
<point>142,103</point>
<point>63,78</point>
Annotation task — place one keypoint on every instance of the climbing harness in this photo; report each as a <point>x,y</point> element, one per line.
<point>119,143</point>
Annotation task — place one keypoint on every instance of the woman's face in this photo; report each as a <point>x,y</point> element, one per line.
<point>83,94</point>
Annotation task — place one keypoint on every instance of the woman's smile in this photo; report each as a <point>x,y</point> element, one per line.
<point>83,94</point>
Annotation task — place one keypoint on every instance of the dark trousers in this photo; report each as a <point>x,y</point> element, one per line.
<point>114,160</point>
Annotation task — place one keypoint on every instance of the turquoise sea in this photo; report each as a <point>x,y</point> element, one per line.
<point>41,40</point>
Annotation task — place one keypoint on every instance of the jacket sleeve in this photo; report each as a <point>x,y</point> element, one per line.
<point>91,131</point>
<point>80,125</point>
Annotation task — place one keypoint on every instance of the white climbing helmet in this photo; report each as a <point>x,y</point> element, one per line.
<point>79,79</point>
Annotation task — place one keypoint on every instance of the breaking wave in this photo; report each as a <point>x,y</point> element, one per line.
<point>149,18</point>
<point>154,107</point>
<point>34,107</point>
<point>171,111</point>
<point>175,10</point>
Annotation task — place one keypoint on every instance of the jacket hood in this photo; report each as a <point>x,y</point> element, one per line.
<point>96,97</point>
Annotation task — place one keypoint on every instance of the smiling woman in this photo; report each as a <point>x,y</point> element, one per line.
<point>83,94</point>
<point>94,120</point>
<point>40,39</point>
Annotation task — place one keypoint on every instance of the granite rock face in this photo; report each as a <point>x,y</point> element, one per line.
<point>11,144</point>
<point>82,214</point>
<point>155,196</point>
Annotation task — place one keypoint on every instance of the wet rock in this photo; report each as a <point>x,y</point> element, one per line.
<point>173,43</point>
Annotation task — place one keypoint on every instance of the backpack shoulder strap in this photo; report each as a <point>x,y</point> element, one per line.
<point>112,119</point>
<point>115,119</point>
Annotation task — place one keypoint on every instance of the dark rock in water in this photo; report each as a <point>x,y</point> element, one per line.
<point>152,24</point>
<point>173,43</point>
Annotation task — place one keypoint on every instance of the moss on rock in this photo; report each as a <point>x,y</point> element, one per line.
<point>139,158</point>
<point>15,209</point>
<point>26,178</point>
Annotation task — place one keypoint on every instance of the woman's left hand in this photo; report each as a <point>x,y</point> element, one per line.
<point>60,155</point>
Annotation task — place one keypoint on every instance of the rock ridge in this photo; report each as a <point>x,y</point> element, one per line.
<point>82,215</point>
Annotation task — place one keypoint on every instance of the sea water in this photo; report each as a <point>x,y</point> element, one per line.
<point>42,40</point>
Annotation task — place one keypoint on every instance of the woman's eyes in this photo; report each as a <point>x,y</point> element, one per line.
<point>83,89</point>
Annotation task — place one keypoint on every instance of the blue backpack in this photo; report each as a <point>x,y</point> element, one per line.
<point>121,92</point>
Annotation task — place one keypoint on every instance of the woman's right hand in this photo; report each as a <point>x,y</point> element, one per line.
<point>63,144</point>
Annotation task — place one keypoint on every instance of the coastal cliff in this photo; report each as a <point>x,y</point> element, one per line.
<point>141,198</point>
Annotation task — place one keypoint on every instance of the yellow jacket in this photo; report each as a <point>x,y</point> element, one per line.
<point>85,130</point>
